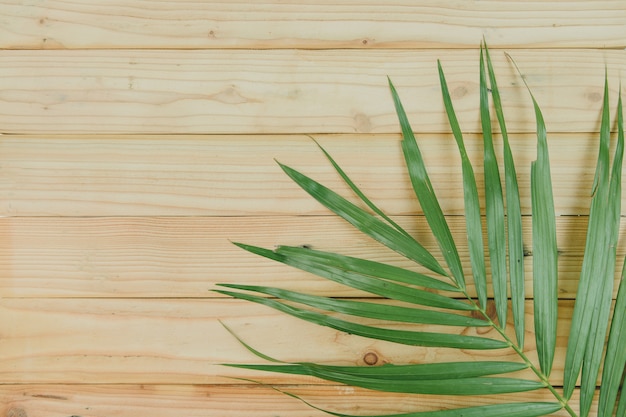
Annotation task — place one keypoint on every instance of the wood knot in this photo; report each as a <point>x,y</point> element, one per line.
<point>370,358</point>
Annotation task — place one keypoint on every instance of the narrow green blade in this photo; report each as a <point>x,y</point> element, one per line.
<point>594,295</point>
<point>529,409</point>
<point>426,194</point>
<point>616,349</point>
<point>473,221</point>
<point>366,309</point>
<point>455,386</point>
<point>369,268</point>
<point>360,193</point>
<point>406,337</point>
<point>600,320</point>
<point>431,371</point>
<point>545,251</point>
<point>365,222</point>
<point>399,373</point>
<point>513,215</point>
<point>310,261</point>
<point>615,361</point>
<point>494,204</point>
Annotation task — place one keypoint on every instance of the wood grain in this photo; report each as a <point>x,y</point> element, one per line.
<point>238,176</point>
<point>288,91</point>
<point>222,400</point>
<point>186,256</point>
<point>296,24</point>
<point>181,341</point>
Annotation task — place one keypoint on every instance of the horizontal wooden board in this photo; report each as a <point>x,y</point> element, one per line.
<point>323,24</point>
<point>181,341</point>
<point>187,256</point>
<point>288,91</point>
<point>238,175</point>
<point>225,401</point>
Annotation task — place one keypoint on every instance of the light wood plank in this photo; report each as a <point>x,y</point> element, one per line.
<point>186,257</point>
<point>287,91</point>
<point>237,175</point>
<point>180,341</point>
<point>323,24</point>
<point>225,401</point>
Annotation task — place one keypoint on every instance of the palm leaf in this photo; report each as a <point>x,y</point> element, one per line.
<point>438,386</point>
<point>615,361</point>
<point>360,193</point>
<point>405,337</point>
<point>426,194</point>
<point>315,262</point>
<point>494,204</point>
<point>591,310</point>
<point>414,300</point>
<point>366,309</point>
<point>365,222</point>
<point>545,283</point>
<point>527,409</point>
<point>513,215</point>
<point>470,194</point>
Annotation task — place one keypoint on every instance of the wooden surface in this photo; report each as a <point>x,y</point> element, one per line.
<point>138,140</point>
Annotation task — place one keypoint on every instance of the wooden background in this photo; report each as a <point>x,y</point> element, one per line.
<point>139,138</point>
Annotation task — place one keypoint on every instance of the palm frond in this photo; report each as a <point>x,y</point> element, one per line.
<point>407,302</point>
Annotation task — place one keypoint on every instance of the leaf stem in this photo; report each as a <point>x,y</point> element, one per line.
<point>542,377</point>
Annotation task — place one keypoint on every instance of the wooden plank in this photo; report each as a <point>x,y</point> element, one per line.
<point>237,175</point>
<point>287,91</point>
<point>225,401</point>
<point>181,341</point>
<point>187,256</point>
<point>324,24</point>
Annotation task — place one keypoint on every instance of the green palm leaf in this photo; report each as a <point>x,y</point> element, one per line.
<point>497,410</point>
<point>591,311</point>
<point>315,262</point>
<point>360,193</point>
<point>426,194</point>
<point>615,361</point>
<point>414,300</point>
<point>366,309</point>
<point>513,215</point>
<point>472,203</point>
<point>365,222</point>
<point>405,337</point>
<point>494,204</point>
<point>545,252</point>
<point>439,386</point>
